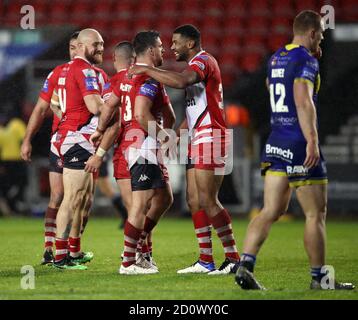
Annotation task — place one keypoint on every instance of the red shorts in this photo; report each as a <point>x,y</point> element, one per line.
<point>120,164</point>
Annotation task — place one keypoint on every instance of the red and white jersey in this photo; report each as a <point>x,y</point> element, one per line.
<point>76,81</point>
<point>204,100</point>
<point>47,90</point>
<point>139,143</point>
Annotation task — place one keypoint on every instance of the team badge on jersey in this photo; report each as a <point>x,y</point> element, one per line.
<point>89,73</point>
<point>199,64</point>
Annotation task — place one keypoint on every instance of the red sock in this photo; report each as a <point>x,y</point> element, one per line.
<point>222,224</point>
<point>61,249</point>
<point>75,246</point>
<point>150,243</point>
<point>203,234</point>
<point>131,238</point>
<point>50,227</point>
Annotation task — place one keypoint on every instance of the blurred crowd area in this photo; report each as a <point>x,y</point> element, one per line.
<point>241,34</point>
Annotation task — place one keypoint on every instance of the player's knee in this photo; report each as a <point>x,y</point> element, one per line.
<point>271,214</point>
<point>193,203</point>
<point>56,198</point>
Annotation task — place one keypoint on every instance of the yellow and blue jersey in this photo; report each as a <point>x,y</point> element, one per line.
<point>285,149</point>
<point>288,65</point>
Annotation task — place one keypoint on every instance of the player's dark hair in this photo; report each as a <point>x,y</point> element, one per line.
<point>190,32</point>
<point>126,47</point>
<point>144,40</point>
<point>74,35</point>
<point>306,20</point>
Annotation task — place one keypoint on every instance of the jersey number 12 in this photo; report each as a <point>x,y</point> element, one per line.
<point>279,90</point>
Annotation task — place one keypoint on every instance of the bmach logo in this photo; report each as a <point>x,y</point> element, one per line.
<point>280,152</point>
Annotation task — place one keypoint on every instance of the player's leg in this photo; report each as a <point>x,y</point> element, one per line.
<point>208,184</point>
<point>77,184</point>
<point>133,229</point>
<point>313,200</point>
<point>107,189</point>
<point>78,225</point>
<point>125,189</point>
<point>277,194</point>
<point>162,200</point>
<point>202,227</point>
<point>56,196</point>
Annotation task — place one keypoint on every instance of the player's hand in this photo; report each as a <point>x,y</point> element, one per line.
<point>26,150</point>
<point>136,69</point>
<point>96,138</point>
<point>93,163</point>
<point>312,155</point>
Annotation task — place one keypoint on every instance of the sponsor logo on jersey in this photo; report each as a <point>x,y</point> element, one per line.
<point>199,64</point>
<point>285,153</point>
<point>285,121</point>
<point>91,83</point>
<point>89,73</point>
<point>107,86</point>
<point>74,159</point>
<point>45,86</point>
<point>297,170</point>
<point>148,90</point>
<point>143,178</point>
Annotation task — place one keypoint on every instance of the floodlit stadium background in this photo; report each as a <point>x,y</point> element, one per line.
<point>241,34</point>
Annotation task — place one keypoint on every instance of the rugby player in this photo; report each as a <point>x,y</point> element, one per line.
<point>207,150</point>
<point>292,159</point>
<point>79,88</point>
<point>144,102</point>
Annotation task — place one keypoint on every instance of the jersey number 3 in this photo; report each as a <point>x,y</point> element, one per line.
<point>279,90</point>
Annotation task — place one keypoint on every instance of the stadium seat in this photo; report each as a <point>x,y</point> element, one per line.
<point>236,8</point>
<point>277,41</point>
<point>307,4</point>
<point>234,26</point>
<point>123,9</point>
<point>259,8</point>
<point>59,12</point>
<point>258,25</point>
<point>283,8</point>
<point>250,63</point>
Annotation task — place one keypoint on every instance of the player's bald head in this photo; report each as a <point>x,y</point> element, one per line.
<point>305,21</point>
<point>90,45</point>
<point>88,35</point>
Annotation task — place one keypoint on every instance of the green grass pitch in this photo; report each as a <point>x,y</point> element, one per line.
<point>282,264</point>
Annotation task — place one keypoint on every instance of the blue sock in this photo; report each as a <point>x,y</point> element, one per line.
<point>248,261</point>
<point>316,273</point>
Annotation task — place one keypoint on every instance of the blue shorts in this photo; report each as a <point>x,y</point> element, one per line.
<point>283,157</point>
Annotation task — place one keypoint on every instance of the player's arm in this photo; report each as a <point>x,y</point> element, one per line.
<point>95,161</point>
<point>107,111</point>
<point>168,117</point>
<point>170,78</point>
<point>93,103</point>
<point>306,112</point>
<point>144,117</point>
<point>35,122</point>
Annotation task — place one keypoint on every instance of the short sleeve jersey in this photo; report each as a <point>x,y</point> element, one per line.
<point>47,90</point>
<point>204,100</point>
<point>75,82</point>
<point>288,65</point>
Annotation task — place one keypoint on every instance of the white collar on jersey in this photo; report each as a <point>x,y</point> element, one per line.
<point>82,59</point>
<point>141,64</point>
<point>198,54</point>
